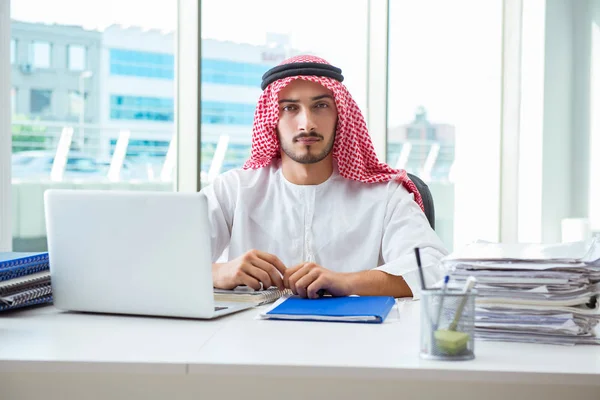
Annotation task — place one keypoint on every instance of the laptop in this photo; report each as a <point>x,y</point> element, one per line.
<point>142,253</point>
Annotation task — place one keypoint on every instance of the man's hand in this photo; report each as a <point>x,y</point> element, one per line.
<point>307,279</point>
<point>250,269</point>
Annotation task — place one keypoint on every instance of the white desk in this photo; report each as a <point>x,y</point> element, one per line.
<point>48,354</point>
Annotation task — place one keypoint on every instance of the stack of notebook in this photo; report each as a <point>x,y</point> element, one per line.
<point>24,280</point>
<point>533,292</point>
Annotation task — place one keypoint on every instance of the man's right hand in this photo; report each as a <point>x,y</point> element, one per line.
<point>250,269</point>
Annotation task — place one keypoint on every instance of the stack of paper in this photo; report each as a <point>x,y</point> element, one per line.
<point>24,280</point>
<point>533,292</point>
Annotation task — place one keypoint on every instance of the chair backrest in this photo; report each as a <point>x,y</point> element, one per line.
<point>427,198</point>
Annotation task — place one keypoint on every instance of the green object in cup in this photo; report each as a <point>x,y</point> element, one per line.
<point>451,342</point>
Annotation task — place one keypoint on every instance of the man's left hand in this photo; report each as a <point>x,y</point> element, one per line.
<point>307,279</point>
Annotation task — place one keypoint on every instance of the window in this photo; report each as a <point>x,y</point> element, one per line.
<point>40,102</point>
<point>444,101</point>
<point>76,58</point>
<point>100,107</point>
<point>41,54</point>
<point>234,60</point>
<point>141,108</point>
<point>13,51</point>
<point>141,64</point>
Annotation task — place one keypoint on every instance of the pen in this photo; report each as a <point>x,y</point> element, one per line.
<point>466,289</point>
<point>418,255</point>
<point>441,306</point>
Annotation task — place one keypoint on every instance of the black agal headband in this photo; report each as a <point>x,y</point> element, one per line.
<point>300,68</point>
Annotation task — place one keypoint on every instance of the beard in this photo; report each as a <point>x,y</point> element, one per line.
<point>308,156</point>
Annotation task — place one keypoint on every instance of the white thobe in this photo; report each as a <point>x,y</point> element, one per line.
<point>340,224</point>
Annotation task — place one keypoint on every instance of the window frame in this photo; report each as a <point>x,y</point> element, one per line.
<point>5,130</point>
<point>188,134</point>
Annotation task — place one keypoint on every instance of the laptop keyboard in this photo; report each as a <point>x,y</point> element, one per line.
<point>221,308</point>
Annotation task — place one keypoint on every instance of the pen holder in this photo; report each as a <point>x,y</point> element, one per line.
<point>447,324</point>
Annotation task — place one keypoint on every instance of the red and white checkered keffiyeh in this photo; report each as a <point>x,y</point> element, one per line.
<point>352,149</point>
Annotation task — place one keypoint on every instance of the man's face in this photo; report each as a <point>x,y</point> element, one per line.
<point>307,121</point>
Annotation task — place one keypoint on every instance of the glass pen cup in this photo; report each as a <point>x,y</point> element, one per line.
<point>447,324</point>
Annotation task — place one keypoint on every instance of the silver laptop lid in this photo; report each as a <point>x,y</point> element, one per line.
<point>130,252</point>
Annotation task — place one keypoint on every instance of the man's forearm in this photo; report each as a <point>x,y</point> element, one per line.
<point>378,283</point>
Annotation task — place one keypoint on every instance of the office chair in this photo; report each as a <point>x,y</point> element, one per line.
<point>427,198</point>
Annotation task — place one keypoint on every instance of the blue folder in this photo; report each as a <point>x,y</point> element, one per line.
<point>369,309</point>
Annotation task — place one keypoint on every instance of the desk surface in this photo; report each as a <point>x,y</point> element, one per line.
<point>47,340</point>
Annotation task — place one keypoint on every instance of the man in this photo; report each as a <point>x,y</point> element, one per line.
<point>313,209</point>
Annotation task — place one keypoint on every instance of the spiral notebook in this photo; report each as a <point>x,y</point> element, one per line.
<point>16,264</point>
<point>34,302</point>
<point>24,282</point>
<point>23,296</point>
<point>248,295</point>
